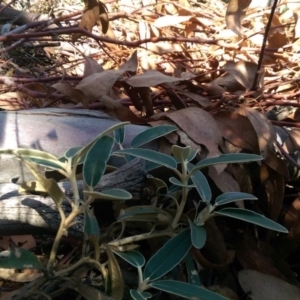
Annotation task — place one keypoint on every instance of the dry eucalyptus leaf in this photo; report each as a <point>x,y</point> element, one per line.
<point>243,72</point>
<point>150,78</point>
<point>235,13</point>
<point>91,67</point>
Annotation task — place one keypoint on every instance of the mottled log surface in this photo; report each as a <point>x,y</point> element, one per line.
<point>53,130</point>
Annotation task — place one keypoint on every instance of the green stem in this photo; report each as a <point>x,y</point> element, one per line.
<point>185,190</point>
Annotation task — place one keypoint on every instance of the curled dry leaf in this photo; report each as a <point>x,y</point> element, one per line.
<point>200,127</point>
<point>150,78</point>
<point>266,134</point>
<point>235,13</point>
<point>94,11</point>
<point>243,72</point>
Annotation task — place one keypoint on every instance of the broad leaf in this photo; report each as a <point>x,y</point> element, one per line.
<point>251,217</point>
<point>133,257</point>
<point>226,159</point>
<point>17,258</point>
<point>151,134</point>
<point>153,156</point>
<point>111,194</point>
<point>186,290</point>
<point>232,197</point>
<point>96,159</point>
<point>198,235</point>
<point>170,255</point>
<point>81,153</point>
<point>201,183</point>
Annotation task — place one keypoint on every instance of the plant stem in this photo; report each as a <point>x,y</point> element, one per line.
<point>185,190</point>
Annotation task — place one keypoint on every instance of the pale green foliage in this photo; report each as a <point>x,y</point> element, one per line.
<point>165,221</point>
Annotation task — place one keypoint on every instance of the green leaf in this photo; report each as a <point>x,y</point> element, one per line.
<point>198,235</point>
<point>91,226</point>
<point>81,153</point>
<point>170,255</point>
<point>111,194</point>
<point>201,184</point>
<point>192,272</point>
<point>177,182</point>
<point>186,290</point>
<point>232,197</point>
<point>96,159</point>
<point>136,295</point>
<point>226,159</point>
<point>151,166</point>
<point>181,153</point>
<point>52,164</point>
<point>153,156</point>
<point>70,153</point>
<point>119,135</point>
<point>251,217</point>
<point>133,257</point>
<point>17,258</point>
<point>37,156</point>
<point>151,134</point>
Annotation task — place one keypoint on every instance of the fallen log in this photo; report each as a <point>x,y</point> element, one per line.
<point>55,130</point>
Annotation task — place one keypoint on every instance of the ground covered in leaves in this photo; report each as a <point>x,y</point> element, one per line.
<point>189,64</point>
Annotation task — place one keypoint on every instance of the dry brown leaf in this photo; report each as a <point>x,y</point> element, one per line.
<point>94,11</point>
<point>131,64</point>
<point>224,181</point>
<point>71,92</point>
<point>266,134</point>
<point>98,84</point>
<point>235,13</point>
<point>238,130</point>
<point>243,72</point>
<point>91,67</point>
<point>262,286</point>
<point>199,126</point>
<point>11,101</point>
<point>150,78</point>
<point>119,111</point>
